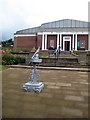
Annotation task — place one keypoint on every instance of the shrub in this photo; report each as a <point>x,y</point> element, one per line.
<point>9,59</point>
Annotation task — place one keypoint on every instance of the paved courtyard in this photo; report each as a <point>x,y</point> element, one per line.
<point>65,94</point>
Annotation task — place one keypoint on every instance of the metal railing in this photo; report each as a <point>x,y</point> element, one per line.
<point>57,52</point>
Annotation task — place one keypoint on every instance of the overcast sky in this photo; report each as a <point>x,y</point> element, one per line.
<point>20,14</point>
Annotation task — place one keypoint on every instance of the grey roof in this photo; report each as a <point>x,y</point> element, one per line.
<point>65,24</point>
<point>61,24</point>
<point>29,30</point>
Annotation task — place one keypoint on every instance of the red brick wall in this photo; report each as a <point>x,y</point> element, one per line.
<point>28,42</point>
<point>51,37</point>
<point>85,38</point>
<point>24,42</point>
<point>39,41</point>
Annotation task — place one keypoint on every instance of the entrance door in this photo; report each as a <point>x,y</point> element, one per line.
<point>67,45</point>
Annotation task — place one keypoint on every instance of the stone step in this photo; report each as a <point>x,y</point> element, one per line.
<point>65,54</point>
<point>62,61</point>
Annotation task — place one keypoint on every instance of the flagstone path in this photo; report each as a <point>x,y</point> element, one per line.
<point>65,94</point>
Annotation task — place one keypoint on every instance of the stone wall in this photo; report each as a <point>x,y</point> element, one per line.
<point>84,58</point>
<point>63,62</point>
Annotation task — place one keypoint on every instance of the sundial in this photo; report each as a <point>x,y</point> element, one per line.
<point>33,84</point>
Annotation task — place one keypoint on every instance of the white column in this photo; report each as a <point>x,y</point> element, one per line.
<point>43,41</point>
<point>76,42</point>
<point>63,44</point>
<point>88,26</point>
<point>60,41</point>
<point>73,43</point>
<point>57,40</point>
<point>70,43</point>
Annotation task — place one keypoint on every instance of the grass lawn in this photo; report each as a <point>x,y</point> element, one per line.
<point>43,55</point>
<point>2,67</point>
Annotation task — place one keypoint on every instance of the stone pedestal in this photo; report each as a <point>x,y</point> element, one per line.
<point>34,84</point>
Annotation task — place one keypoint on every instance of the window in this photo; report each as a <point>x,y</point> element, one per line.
<point>81,44</point>
<point>52,43</point>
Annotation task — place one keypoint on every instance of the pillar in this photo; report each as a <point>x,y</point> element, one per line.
<point>73,43</point>
<point>76,42</point>
<point>43,41</point>
<point>60,41</point>
<point>57,40</point>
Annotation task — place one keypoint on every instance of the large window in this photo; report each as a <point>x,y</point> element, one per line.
<point>52,43</point>
<point>81,44</point>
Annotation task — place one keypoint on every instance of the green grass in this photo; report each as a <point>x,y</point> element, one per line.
<point>43,55</point>
<point>2,67</point>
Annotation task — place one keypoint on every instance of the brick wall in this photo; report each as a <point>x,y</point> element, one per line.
<point>24,42</point>
<point>28,42</point>
<point>39,41</point>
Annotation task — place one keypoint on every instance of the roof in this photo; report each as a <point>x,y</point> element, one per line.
<point>29,30</point>
<point>65,23</point>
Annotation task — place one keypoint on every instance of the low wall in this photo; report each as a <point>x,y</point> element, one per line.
<point>84,58</point>
<point>26,55</point>
<point>59,62</point>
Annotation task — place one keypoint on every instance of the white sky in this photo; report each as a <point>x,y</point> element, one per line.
<point>19,14</point>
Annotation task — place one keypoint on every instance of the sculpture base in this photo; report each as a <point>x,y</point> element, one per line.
<point>36,87</point>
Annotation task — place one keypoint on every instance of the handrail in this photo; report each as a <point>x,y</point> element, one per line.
<point>57,51</point>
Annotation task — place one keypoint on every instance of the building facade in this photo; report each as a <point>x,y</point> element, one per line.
<point>68,34</point>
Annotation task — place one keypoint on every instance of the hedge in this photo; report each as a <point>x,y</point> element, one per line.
<point>8,59</point>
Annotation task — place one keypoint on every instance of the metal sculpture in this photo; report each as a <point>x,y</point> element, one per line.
<point>34,84</point>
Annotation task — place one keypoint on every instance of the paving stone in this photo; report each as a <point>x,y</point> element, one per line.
<point>84,83</point>
<point>84,93</point>
<point>82,105</point>
<point>51,83</point>
<point>59,98</point>
<point>54,115</point>
<point>74,98</point>
<point>84,75</point>
<point>63,76</point>
<point>71,92</point>
<point>46,83</point>
<point>54,109</point>
<point>48,95</point>
<point>72,111</point>
<point>63,84</point>
<point>53,87</point>
<point>69,88</point>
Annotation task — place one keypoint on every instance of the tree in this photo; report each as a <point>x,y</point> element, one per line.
<point>7,43</point>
